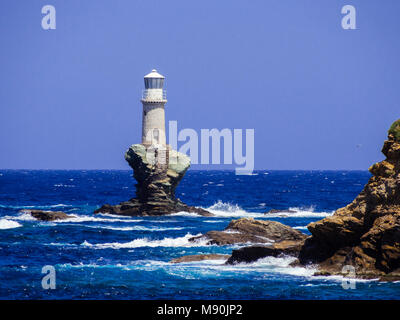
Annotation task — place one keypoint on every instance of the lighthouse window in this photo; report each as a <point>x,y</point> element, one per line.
<point>153,83</point>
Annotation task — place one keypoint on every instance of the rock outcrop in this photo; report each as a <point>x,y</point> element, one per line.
<point>156,184</point>
<point>251,231</point>
<point>253,253</point>
<point>47,215</point>
<point>364,235</point>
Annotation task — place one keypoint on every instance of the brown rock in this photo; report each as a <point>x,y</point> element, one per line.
<point>366,233</point>
<point>251,231</point>
<point>47,215</point>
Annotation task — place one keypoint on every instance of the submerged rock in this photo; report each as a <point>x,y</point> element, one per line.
<point>156,184</point>
<point>47,215</point>
<point>246,230</point>
<point>200,257</point>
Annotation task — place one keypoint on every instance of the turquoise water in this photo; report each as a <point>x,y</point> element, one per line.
<point>108,257</point>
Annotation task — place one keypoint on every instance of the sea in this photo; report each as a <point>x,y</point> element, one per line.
<point>101,256</point>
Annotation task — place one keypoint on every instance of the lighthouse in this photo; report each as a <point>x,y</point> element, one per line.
<point>154,100</point>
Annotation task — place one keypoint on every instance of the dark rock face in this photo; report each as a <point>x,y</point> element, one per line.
<point>253,253</point>
<point>47,215</point>
<point>366,233</point>
<point>200,257</point>
<point>156,184</point>
<point>251,231</point>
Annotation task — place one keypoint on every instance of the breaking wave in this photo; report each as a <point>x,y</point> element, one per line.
<point>145,242</point>
<point>75,218</point>
<point>41,207</point>
<point>222,209</point>
<point>8,224</point>
<point>138,228</point>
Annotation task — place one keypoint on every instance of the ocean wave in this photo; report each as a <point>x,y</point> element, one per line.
<point>145,242</point>
<point>265,266</point>
<point>8,224</point>
<point>41,207</point>
<point>217,268</point>
<point>301,212</point>
<point>138,228</point>
<point>184,214</point>
<point>84,218</point>
<point>21,217</point>
<point>222,209</point>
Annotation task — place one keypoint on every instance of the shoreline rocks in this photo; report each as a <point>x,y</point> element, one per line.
<point>156,184</point>
<point>44,215</point>
<point>364,235</point>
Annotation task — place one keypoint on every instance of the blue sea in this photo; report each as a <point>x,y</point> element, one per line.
<point>110,257</point>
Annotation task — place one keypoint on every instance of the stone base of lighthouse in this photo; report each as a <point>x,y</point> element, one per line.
<point>156,184</point>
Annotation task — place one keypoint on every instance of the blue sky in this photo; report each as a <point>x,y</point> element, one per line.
<point>318,96</point>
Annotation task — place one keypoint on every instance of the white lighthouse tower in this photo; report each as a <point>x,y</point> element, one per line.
<point>153,100</point>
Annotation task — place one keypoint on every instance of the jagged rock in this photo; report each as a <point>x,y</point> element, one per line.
<point>135,207</point>
<point>251,231</point>
<point>366,233</point>
<point>47,215</point>
<point>253,253</point>
<point>200,257</point>
<point>156,184</point>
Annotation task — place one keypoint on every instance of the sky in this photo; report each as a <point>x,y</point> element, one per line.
<point>317,96</point>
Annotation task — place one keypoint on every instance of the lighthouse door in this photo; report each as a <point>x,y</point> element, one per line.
<point>156,136</point>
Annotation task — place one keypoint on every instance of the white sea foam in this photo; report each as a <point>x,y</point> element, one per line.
<point>301,228</point>
<point>8,224</point>
<point>25,216</point>
<point>306,212</point>
<point>272,265</point>
<point>137,264</point>
<point>84,218</point>
<point>145,242</point>
<point>41,207</point>
<point>184,214</point>
<point>222,209</point>
<point>341,279</point>
<point>137,228</point>
<point>22,217</point>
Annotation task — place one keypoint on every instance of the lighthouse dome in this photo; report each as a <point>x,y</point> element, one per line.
<point>153,80</point>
